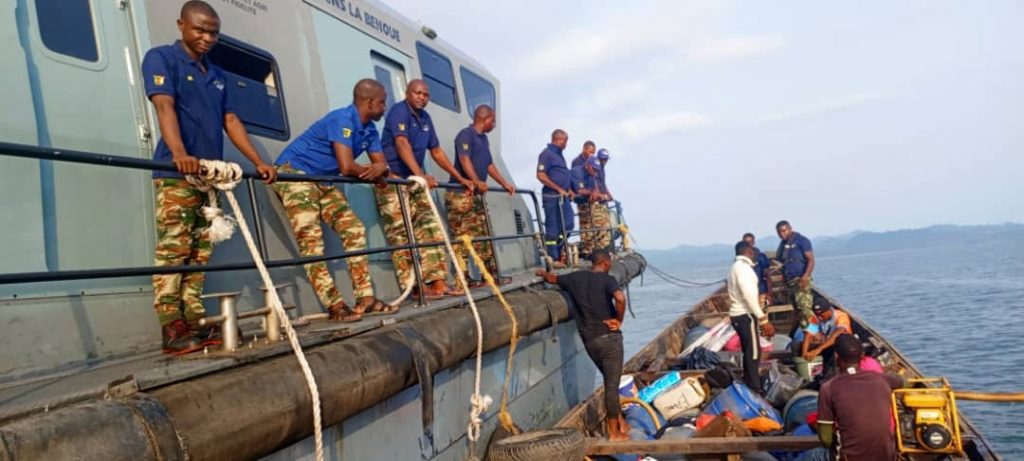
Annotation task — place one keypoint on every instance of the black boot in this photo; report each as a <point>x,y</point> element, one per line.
<point>178,339</point>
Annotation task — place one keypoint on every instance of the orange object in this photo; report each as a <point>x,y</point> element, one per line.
<point>762,424</point>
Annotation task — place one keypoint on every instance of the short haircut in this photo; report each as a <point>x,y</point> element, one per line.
<point>589,144</point>
<point>748,234</point>
<point>779,224</point>
<point>742,247</point>
<point>482,111</point>
<point>600,256</point>
<point>198,6</point>
<point>366,88</point>
<point>848,348</point>
<point>558,133</point>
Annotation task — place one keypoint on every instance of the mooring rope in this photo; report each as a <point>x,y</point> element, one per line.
<point>218,175</point>
<point>478,402</point>
<point>504,417</point>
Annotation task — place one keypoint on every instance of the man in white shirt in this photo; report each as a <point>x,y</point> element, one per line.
<point>746,314</point>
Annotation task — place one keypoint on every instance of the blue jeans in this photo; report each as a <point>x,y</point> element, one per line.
<point>554,234</point>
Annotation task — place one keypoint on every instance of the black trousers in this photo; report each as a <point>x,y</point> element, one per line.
<point>746,327</point>
<point>606,352</point>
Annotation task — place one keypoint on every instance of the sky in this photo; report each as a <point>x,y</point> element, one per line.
<point>724,117</point>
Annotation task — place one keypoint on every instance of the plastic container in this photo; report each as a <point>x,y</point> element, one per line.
<point>627,387</point>
<point>798,407</point>
<point>783,389</point>
<point>742,402</point>
<point>693,334</point>
<point>638,418</point>
<point>685,395</point>
<point>662,384</point>
<point>808,370</point>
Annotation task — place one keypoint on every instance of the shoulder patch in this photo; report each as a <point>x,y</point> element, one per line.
<point>401,127</point>
<point>540,167</point>
<point>346,132</point>
<point>465,146</point>
<point>158,80</point>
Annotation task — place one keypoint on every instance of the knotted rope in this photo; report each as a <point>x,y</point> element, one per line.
<point>503,415</point>
<point>478,402</point>
<point>217,175</point>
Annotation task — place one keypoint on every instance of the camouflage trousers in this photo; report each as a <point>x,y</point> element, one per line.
<point>182,237</point>
<point>801,298</point>
<point>586,222</point>
<point>466,217</point>
<point>308,204</point>
<point>433,264</point>
<point>601,219</point>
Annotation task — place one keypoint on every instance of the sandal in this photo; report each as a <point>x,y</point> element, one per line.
<point>429,294</point>
<point>375,307</point>
<point>454,291</point>
<point>341,313</point>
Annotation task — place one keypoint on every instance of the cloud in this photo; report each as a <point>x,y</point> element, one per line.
<point>733,48</point>
<point>662,124</point>
<point>823,106</point>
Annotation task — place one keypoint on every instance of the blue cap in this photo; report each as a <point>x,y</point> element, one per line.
<point>592,161</point>
<point>603,154</point>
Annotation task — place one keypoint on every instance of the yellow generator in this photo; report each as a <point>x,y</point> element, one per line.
<point>926,417</point>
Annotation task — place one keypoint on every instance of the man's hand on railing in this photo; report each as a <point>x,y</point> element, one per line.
<point>186,164</point>
<point>510,188</point>
<point>373,172</point>
<point>267,172</point>
<point>469,185</point>
<point>481,186</point>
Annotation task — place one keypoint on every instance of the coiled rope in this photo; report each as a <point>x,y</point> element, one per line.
<point>218,175</point>
<point>478,402</point>
<point>504,417</point>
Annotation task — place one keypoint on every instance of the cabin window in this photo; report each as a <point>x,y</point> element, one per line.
<point>66,27</point>
<point>390,74</point>
<point>254,87</point>
<point>440,78</point>
<point>478,90</point>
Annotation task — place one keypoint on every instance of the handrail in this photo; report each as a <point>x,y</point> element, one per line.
<point>73,156</point>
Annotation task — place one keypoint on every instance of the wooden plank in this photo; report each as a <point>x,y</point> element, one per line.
<point>704,446</point>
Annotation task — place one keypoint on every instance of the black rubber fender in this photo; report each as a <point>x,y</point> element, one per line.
<point>560,444</point>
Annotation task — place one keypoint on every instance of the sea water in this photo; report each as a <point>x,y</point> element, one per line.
<point>954,311</point>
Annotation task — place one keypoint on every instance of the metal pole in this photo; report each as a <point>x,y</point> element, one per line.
<point>271,322</point>
<point>229,328</point>
<point>415,252</point>
<point>490,232</point>
<point>261,241</point>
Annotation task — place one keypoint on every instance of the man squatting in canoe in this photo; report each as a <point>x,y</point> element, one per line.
<point>599,309</point>
<point>192,108</point>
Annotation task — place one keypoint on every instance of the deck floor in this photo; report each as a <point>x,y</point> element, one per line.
<point>153,369</point>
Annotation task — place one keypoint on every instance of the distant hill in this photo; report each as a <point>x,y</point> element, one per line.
<point>850,243</point>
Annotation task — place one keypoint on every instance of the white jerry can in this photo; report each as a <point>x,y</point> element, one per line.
<point>683,396</point>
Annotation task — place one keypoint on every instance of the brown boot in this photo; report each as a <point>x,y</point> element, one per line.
<point>179,339</point>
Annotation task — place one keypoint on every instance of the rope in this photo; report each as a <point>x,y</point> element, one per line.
<point>503,415</point>
<point>1002,397</point>
<point>548,261</point>
<point>478,402</point>
<point>225,176</point>
<point>685,284</point>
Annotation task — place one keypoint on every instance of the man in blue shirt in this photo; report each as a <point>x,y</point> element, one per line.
<point>192,109</point>
<point>584,186</point>
<point>761,265</point>
<point>556,194</point>
<point>408,134</point>
<point>599,208</point>
<point>797,258</point>
<point>466,210</point>
<point>329,147</point>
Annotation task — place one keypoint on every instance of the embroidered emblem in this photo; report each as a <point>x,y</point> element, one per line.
<point>158,80</point>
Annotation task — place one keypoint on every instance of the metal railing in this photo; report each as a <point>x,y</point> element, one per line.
<point>71,156</point>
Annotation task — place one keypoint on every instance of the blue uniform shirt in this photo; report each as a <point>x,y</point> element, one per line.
<point>417,128</point>
<point>200,101</point>
<point>469,143</point>
<point>313,151</point>
<point>581,180</point>
<point>761,265</point>
<point>791,255</point>
<point>577,161</point>
<point>552,163</point>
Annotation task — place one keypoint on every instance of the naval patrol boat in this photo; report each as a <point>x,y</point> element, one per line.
<point>81,373</point>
